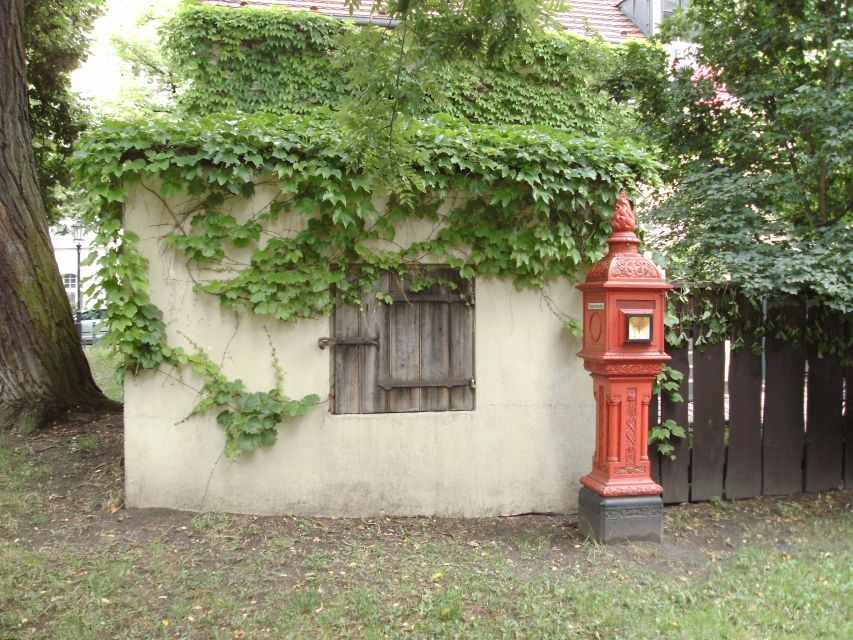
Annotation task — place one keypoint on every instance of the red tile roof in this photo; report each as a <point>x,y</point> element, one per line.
<point>585,17</point>
<point>602,16</point>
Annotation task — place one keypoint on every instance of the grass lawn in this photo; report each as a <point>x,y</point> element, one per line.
<point>75,564</point>
<point>104,365</point>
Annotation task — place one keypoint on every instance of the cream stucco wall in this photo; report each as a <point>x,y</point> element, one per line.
<point>521,450</point>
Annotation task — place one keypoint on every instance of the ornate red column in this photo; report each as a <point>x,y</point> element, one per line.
<point>623,349</point>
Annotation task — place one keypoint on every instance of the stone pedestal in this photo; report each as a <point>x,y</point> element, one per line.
<point>606,520</point>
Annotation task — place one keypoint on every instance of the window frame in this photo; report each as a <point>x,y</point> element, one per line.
<point>383,359</point>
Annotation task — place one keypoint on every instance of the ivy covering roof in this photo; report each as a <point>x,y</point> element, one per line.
<point>274,60</point>
<point>584,17</point>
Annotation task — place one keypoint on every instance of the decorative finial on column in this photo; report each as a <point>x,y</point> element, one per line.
<point>623,216</point>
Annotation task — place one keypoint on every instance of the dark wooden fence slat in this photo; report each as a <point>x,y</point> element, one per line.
<point>743,467</point>
<point>784,422</point>
<point>848,427</point>
<point>706,479</point>
<point>674,473</point>
<point>824,424</point>
<point>654,419</point>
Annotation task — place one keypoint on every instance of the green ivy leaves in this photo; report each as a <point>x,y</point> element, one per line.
<point>668,381</point>
<point>662,435</point>
<point>280,61</point>
<point>533,202</point>
<point>253,417</point>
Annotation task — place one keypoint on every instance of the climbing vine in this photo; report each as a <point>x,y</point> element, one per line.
<point>523,203</point>
<point>669,382</point>
<point>280,61</point>
<point>137,331</point>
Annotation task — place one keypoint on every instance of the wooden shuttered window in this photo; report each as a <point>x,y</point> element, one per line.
<point>416,354</point>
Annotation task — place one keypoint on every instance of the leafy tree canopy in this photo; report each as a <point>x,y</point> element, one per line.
<point>57,38</point>
<point>759,130</point>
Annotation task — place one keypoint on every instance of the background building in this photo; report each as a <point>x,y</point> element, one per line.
<point>65,252</point>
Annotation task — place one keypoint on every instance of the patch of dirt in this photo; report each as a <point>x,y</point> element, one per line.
<point>83,496</point>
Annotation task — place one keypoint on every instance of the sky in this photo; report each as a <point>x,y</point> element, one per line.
<point>103,75</point>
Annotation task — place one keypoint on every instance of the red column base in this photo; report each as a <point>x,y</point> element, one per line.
<point>615,488</point>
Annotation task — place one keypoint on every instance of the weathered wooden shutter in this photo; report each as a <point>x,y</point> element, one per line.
<point>416,354</point>
<point>359,354</point>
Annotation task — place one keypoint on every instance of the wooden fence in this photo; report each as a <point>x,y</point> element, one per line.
<point>773,423</point>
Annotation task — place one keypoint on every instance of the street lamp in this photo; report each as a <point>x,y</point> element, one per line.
<point>78,231</point>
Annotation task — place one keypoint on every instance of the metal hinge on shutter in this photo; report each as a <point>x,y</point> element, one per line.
<point>388,385</point>
<point>350,341</point>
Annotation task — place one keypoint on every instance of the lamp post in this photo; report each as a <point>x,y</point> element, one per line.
<point>78,232</point>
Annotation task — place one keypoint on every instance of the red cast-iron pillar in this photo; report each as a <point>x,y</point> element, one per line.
<point>623,349</point>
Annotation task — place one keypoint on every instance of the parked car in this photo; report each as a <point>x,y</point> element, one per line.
<point>92,325</point>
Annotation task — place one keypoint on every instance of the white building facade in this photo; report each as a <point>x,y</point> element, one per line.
<point>65,252</point>
<point>519,445</point>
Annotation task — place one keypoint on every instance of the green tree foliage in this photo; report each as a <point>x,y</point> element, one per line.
<point>759,130</point>
<point>56,42</point>
<point>153,84</point>
<point>466,29</point>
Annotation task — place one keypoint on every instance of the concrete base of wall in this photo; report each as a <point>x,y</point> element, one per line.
<point>608,520</point>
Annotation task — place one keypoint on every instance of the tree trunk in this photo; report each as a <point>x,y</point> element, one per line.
<point>43,370</point>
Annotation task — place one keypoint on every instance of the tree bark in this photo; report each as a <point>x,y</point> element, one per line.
<point>43,370</point>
